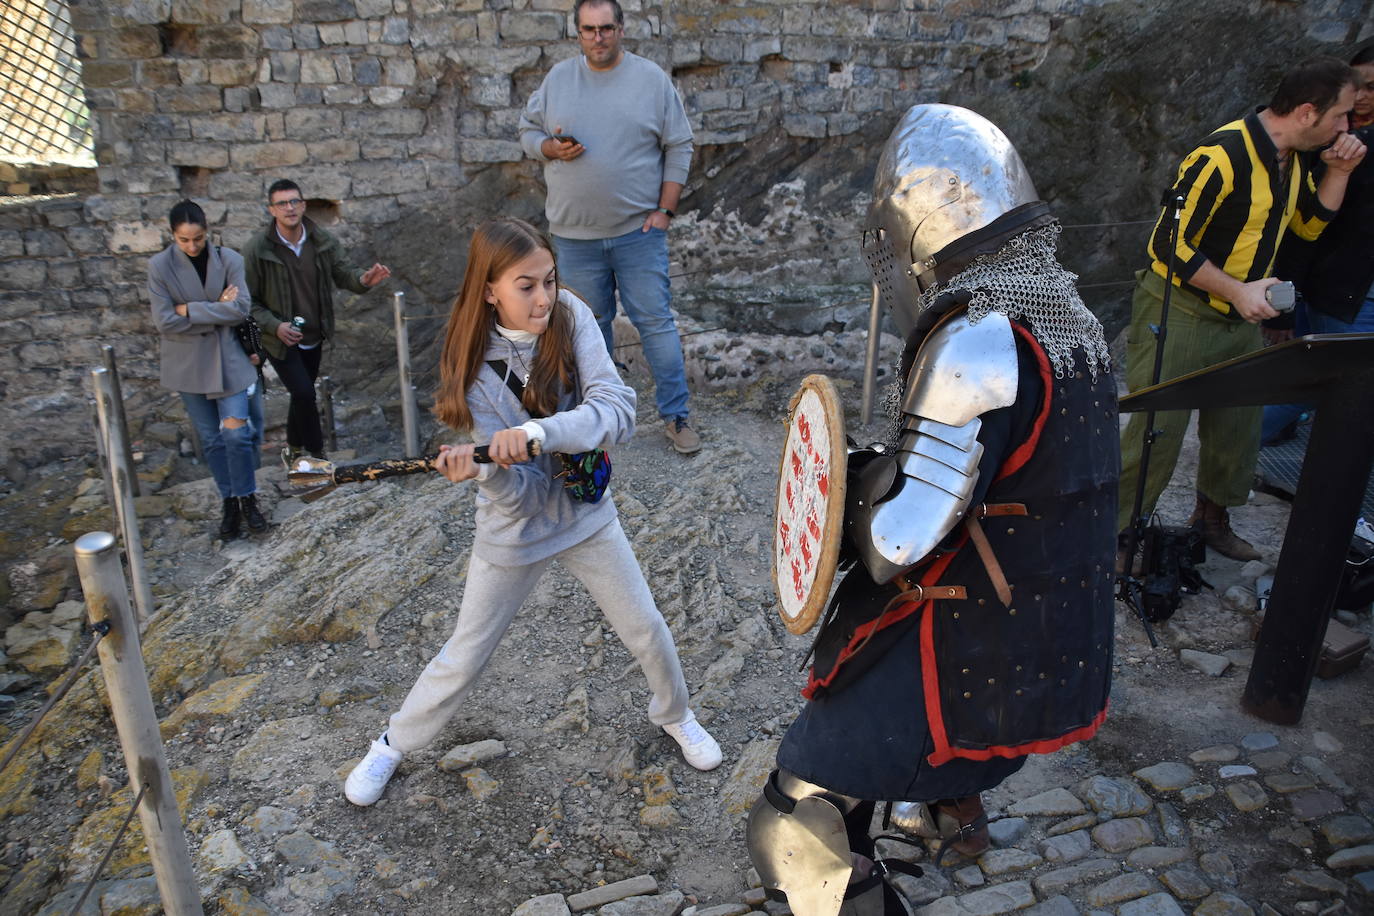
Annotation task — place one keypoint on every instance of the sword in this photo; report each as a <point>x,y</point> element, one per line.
<point>318,476</point>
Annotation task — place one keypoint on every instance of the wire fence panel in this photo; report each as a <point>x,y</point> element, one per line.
<point>43,114</point>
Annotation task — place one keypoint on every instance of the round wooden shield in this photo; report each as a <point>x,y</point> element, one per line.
<point>810,512</point>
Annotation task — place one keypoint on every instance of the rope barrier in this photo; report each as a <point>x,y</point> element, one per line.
<point>99,629</point>
<point>99,869</point>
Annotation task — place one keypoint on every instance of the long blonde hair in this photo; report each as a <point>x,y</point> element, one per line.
<point>495,247</point>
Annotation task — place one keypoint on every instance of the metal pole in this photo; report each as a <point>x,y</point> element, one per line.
<point>875,324</point>
<point>104,461</point>
<point>327,413</point>
<point>131,704</point>
<point>118,395</point>
<point>120,474</point>
<point>409,412</point>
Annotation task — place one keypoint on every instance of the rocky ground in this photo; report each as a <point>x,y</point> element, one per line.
<point>274,661</point>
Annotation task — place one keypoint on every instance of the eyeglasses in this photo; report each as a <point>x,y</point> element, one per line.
<point>291,204</point>
<point>590,32</point>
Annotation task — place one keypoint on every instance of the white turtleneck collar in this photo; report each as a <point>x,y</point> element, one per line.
<point>520,337</point>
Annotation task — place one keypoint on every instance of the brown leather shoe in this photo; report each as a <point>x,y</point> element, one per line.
<point>1215,523</point>
<point>964,825</point>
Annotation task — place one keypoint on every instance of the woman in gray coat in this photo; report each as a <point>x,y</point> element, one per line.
<point>198,295</point>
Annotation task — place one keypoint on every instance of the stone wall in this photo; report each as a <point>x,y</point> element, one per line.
<point>398,119</point>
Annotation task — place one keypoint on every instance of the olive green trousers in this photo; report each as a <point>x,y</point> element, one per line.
<point>1198,336</point>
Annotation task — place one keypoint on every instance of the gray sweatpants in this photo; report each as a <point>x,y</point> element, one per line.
<point>606,566</point>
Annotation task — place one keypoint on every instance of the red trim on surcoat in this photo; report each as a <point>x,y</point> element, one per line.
<point>1017,459</point>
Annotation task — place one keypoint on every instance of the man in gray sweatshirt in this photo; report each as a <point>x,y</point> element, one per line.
<point>616,144</point>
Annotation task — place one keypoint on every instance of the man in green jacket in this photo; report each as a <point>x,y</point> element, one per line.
<point>292,267</point>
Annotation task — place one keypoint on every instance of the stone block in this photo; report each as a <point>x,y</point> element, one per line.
<point>268,12</point>
<point>325,10</point>
<point>1122,834</point>
<point>232,72</point>
<point>313,123</point>
<point>1223,905</point>
<point>1287,783</point>
<point>804,125</point>
<point>189,99</point>
<point>491,151</point>
<point>1315,803</point>
<point>399,71</point>
<point>147,179</point>
<point>1000,898</point>
<point>1001,861</point>
<point>318,68</point>
<point>277,95</point>
<point>490,91</point>
<point>1347,830</point>
<point>1117,797</point>
<point>1122,888</point>
<point>1053,803</point>
<point>11,243</point>
<point>373,211</point>
<point>1068,847</point>
<point>230,127</point>
<point>200,155</point>
<point>722,49</point>
<point>395,30</point>
<point>1220,753</point>
<point>96,74</point>
<point>609,893</point>
<point>532,26</point>
<point>344,95</point>
<point>502,60</point>
<point>333,151</point>
<point>21,274</point>
<point>284,67</point>
<point>1353,857</point>
<point>1168,776</point>
<point>204,12</point>
<point>375,178</point>
<point>44,243</point>
<point>842,123</point>
<point>1160,904</point>
<point>325,181</point>
<point>135,238</point>
<point>445,174</point>
<point>1063,879</point>
<point>258,156</point>
<point>131,43</point>
<point>383,149</point>
<point>402,122</point>
<point>545,905</point>
<point>367,71</point>
<point>1153,858</point>
<point>228,41</point>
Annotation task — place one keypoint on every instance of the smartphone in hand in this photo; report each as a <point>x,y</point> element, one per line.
<point>566,138</point>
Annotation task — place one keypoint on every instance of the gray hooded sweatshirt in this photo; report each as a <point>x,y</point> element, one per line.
<point>523,513</point>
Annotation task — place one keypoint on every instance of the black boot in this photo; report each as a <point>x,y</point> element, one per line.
<point>256,523</point>
<point>229,526</point>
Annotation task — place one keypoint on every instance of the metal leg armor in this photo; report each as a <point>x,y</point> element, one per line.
<point>799,843</point>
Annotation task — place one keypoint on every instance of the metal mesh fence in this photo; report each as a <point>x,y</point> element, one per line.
<point>43,114</point>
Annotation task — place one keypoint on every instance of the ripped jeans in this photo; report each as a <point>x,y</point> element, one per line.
<point>230,451</point>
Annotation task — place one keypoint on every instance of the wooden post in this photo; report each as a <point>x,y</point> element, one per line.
<point>120,474</point>
<point>126,682</point>
<point>409,411</point>
<point>117,393</point>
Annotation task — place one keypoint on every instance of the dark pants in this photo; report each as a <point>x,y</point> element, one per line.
<point>298,372</point>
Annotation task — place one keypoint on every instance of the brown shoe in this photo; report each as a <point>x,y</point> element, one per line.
<point>685,439</point>
<point>964,825</point>
<point>1215,523</point>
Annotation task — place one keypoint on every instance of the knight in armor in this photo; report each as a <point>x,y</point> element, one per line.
<point>975,626</point>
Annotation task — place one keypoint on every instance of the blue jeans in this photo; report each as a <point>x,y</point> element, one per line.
<point>635,264</point>
<point>1277,417</point>
<point>230,453</point>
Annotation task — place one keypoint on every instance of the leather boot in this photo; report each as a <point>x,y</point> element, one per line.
<point>256,523</point>
<point>1215,523</point>
<point>229,526</point>
<point>964,824</point>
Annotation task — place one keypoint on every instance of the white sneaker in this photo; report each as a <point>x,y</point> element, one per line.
<point>698,747</point>
<point>365,784</point>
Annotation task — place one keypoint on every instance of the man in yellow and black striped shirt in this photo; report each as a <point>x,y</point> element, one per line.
<point>1243,187</point>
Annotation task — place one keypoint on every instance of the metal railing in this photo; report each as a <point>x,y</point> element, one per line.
<point>43,114</point>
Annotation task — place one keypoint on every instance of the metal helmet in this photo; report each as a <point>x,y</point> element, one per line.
<point>944,173</point>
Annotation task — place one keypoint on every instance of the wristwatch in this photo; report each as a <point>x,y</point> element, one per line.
<point>670,213</point>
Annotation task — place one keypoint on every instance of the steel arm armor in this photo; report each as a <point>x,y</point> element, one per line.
<point>903,505</point>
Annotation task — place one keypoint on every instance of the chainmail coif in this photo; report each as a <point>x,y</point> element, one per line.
<point>1022,280</point>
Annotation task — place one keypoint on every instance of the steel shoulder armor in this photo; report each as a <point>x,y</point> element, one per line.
<point>904,504</point>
